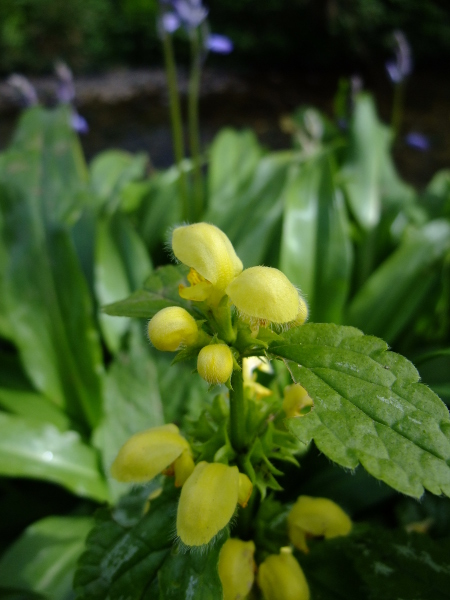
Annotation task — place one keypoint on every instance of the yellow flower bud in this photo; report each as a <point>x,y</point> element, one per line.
<point>148,453</point>
<point>316,517</point>
<point>280,577</point>
<point>171,328</point>
<point>265,295</point>
<point>207,502</point>
<point>245,489</point>
<point>296,399</point>
<point>208,250</point>
<point>183,467</point>
<point>215,363</point>
<point>236,569</point>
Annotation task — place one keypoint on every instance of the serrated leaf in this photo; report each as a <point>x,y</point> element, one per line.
<point>192,575</point>
<point>160,290</point>
<point>122,561</point>
<point>368,407</point>
<point>43,559</point>
<point>39,450</point>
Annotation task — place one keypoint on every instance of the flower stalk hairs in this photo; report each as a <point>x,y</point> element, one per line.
<point>226,317</point>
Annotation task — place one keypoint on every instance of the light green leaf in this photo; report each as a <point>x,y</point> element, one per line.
<point>402,280</point>
<point>33,406</point>
<point>44,558</point>
<point>160,290</point>
<point>362,168</point>
<point>368,408</point>
<point>37,450</point>
<point>316,253</point>
<point>132,402</point>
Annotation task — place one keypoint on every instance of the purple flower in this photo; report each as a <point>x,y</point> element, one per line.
<point>418,141</point>
<point>24,88</point>
<point>66,88</point>
<point>79,123</point>
<point>218,43</point>
<point>400,67</point>
<point>191,13</point>
<point>170,22</point>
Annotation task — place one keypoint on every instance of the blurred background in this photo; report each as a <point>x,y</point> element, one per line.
<point>286,53</point>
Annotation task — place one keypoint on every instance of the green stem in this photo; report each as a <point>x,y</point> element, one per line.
<point>176,121</point>
<point>397,108</point>
<point>237,410</point>
<point>193,120</point>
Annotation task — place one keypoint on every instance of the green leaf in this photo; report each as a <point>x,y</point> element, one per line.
<point>192,575</point>
<point>40,450</point>
<point>44,294</point>
<point>402,280</point>
<point>376,563</point>
<point>368,408</point>
<point>33,406</point>
<point>316,253</point>
<point>122,559</point>
<point>132,403</point>
<point>44,558</point>
<point>160,290</point>
<point>362,168</point>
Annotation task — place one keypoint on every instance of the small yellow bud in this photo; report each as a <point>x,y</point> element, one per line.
<point>171,328</point>
<point>207,502</point>
<point>236,569</point>
<point>208,250</point>
<point>295,400</point>
<point>215,363</point>
<point>280,577</point>
<point>316,517</point>
<point>148,453</point>
<point>183,467</point>
<point>245,489</point>
<point>265,295</point>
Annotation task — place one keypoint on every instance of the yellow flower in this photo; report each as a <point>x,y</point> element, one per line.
<point>249,366</point>
<point>207,502</point>
<point>171,328</point>
<point>183,468</point>
<point>316,517</point>
<point>215,363</point>
<point>209,252</point>
<point>148,453</point>
<point>296,399</point>
<point>280,577</point>
<point>245,489</point>
<point>264,295</point>
<point>236,568</point>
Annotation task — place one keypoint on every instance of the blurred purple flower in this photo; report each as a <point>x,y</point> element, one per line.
<point>400,67</point>
<point>24,88</point>
<point>170,22</point>
<point>79,123</point>
<point>192,13</point>
<point>418,141</point>
<point>66,88</point>
<point>218,43</point>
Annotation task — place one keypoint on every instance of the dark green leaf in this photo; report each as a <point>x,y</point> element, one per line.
<point>40,450</point>
<point>160,290</point>
<point>316,254</point>
<point>403,280</point>
<point>368,408</point>
<point>192,575</point>
<point>43,559</point>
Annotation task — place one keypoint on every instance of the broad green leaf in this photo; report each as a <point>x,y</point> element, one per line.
<point>132,402</point>
<point>377,563</point>
<point>160,290</point>
<point>193,574</point>
<point>122,559</point>
<point>368,408</point>
<point>43,290</point>
<point>111,171</point>
<point>390,297</point>
<point>233,159</point>
<point>33,406</point>
<point>44,558</point>
<point>316,253</point>
<point>18,594</point>
<point>34,449</point>
<point>362,168</point>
